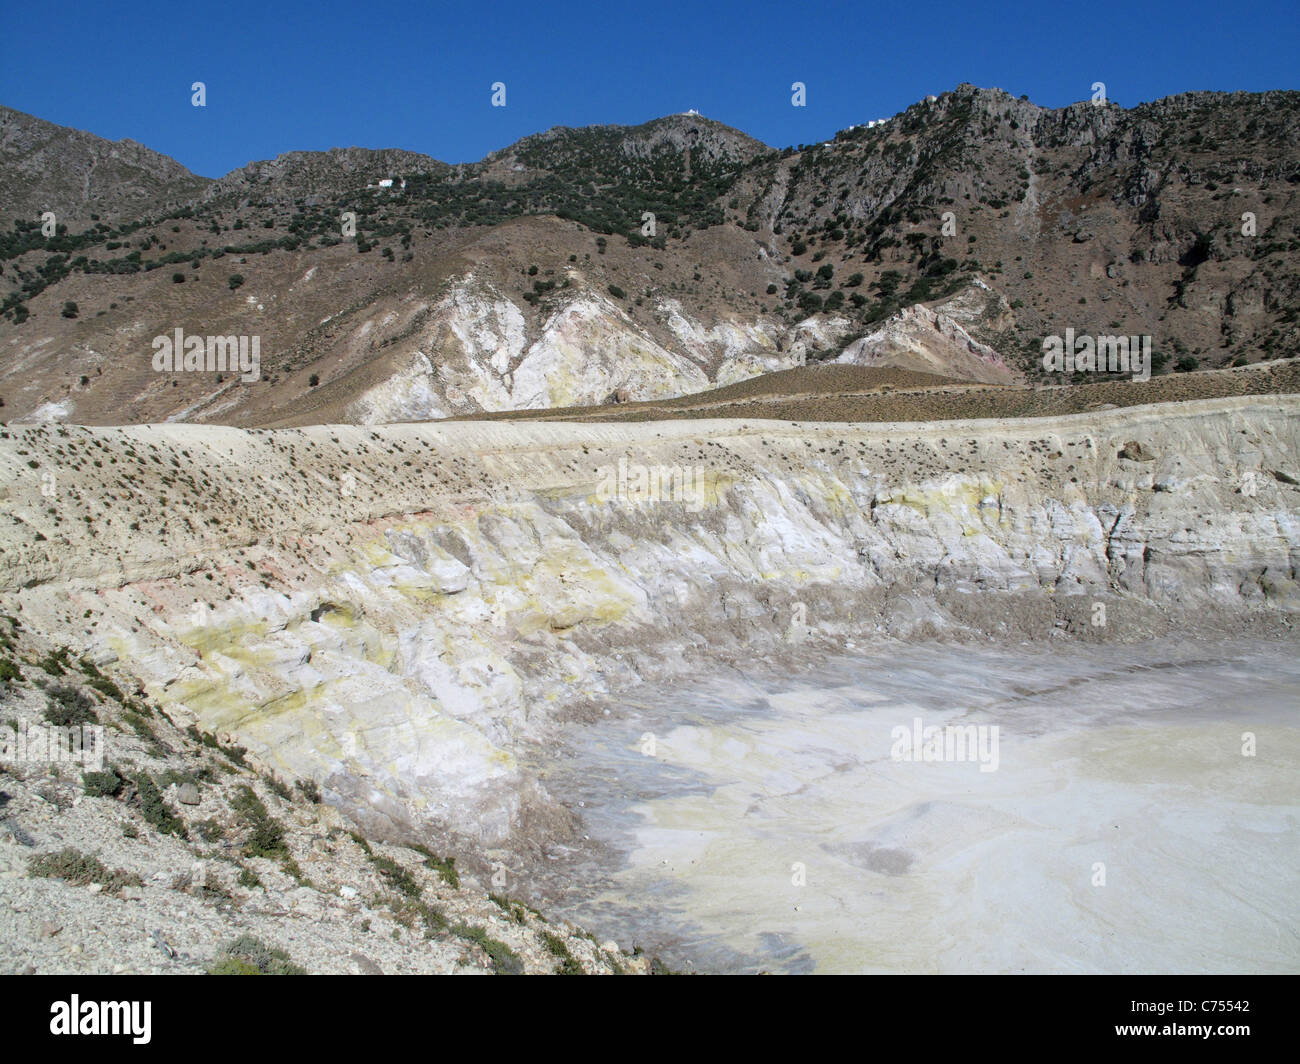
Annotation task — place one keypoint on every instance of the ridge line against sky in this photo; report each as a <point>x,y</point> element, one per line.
<point>307,77</point>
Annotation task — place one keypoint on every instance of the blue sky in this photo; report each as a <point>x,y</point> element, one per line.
<point>410,75</point>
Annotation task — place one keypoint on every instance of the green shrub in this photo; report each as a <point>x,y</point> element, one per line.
<point>557,948</point>
<point>265,833</point>
<point>105,686</point>
<point>175,777</point>
<point>155,811</point>
<point>80,869</point>
<point>505,961</point>
<point>517,911</point>
<point>211,888</point>
<point>444,866</point>
<point>395,875</point>
<point>408,910</point>
<point>234,753</point>
<point>277,788</point>
<point>55,663</point>
<point>106,784</point>
<point>69,707</point>
<point>143,729</point>
<point>248,955</point>
<point>209,830</point>
<point>233,966</point>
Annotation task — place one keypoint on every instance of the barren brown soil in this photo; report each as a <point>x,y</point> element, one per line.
<point>858,393</point>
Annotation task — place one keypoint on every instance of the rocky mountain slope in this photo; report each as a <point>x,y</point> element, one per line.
<point>83,178</point>
<point>179,854</point>
<point>1091,217</point>
<point>534,277</point>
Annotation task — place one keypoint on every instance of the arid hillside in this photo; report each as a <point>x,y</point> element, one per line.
<point>580,266</point>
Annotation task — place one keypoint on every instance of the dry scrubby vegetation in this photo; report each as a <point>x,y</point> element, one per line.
<point>853,222</point>
<point>208,498</point>
<point>246,835</point>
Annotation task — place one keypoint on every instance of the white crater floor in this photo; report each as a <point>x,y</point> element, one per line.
<point>757,823</point>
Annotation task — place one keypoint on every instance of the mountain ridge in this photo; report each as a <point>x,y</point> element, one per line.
<point>680,242</point>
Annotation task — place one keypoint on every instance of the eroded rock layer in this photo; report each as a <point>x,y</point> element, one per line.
<point>392,612</point>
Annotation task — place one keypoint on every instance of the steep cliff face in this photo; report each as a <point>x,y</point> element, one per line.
<point>395,612</point>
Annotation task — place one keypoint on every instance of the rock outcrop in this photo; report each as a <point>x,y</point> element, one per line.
<point>392,612</point>
<point>929,341</point>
